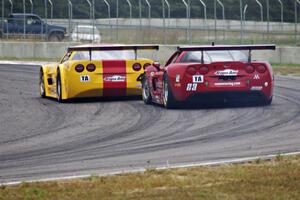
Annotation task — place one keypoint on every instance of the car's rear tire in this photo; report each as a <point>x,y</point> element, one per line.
<point>168,98</point>
<point>42,84</point>
<point>59,88</point>
<point>146,92</point>
<point>268,102</point>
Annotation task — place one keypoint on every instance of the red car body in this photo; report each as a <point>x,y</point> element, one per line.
<point>206,73</point>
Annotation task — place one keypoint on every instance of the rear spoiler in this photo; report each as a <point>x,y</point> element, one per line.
<point>91,48</point>
<point>227,47</point>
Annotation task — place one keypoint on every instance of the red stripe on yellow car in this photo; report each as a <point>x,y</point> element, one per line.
<point>114,77</point>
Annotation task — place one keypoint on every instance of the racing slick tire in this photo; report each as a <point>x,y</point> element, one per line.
<point>59,88</point>
<point>42,84</point>
<point>267,102</point>
<point>146,93</point>
<point>168,98</point>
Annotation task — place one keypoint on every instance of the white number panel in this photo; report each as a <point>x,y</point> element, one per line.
<point>85,78</point>
<point>198,79</point>
<point>191,87</point>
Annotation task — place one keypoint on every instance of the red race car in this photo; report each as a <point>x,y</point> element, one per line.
<point>210,74</point>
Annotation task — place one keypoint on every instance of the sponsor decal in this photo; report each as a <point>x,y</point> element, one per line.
<point>191,87</point>
<point>256,88</point>
<point>177,85</point>
<point>84,78</point>
<point>177,79</point>
<point>115,78</point>
<point>256,77</point>
<point>139,85</point>
<point>228,84</point>
<point>227,72</point>
<point>151,73</point>
<point>198,79</point>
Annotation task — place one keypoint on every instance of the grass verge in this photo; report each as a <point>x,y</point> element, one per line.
<point>275,179</point>
<point>287,69</point>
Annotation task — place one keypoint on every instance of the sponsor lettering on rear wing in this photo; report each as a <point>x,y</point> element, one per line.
<point>227,48</point>
<point>91,48</point>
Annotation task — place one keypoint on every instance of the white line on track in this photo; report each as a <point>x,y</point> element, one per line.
<point>175,166</point>
<point>8,62</point>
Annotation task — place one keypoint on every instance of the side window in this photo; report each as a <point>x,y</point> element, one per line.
<point>29,21</point>
<point>33,20</point>
<point>173,58</point>
<point>66,57</point>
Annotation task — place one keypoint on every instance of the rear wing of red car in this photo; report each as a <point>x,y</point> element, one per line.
<point>227,48</point>
<point>91,48</point>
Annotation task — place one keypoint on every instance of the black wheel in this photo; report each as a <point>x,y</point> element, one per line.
<point>54,38</point>
<point>267,102</point>
<point>42,84</point>
<point>169,101</point>
<point>59,88</point>
<point>146,93</point>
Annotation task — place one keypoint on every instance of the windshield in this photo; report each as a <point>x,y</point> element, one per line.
<point>105,55</point>
<point>214,56</point>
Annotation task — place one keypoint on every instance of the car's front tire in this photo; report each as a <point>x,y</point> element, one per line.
<point>146,92</point>
<point>42,84</point>
<point>168,98</point>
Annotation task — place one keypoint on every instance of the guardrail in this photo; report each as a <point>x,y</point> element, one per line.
<point>49,51</point>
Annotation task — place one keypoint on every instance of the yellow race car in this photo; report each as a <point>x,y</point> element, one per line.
<point>95,71</point>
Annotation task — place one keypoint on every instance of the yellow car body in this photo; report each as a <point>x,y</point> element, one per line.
<point>75,77</point>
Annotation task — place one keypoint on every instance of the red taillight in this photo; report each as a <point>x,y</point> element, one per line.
<point>261,69</point>
<point>146,65</point>
<point>191,70</point>
<point>79,68</point>
<point>204,70</point>
<point>91,67</point>
<point>249,69</point>
<point>136,66</point>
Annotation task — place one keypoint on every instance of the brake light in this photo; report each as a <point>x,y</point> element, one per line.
<point>90,67</point>
<point>146,65</point>
<point>79,68</point>
<point>249,69</point>
<point>136,66</point>
<point>191,70</point>
<point>204,70</point>
<point>261,69</point>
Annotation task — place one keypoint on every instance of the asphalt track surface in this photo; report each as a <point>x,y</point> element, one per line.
<point>40,138</point>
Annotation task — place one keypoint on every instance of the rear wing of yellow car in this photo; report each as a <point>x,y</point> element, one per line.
<point>91,48</point>
<point>227,48</point>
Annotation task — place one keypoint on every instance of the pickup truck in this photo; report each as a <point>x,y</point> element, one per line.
<point>34,25</point>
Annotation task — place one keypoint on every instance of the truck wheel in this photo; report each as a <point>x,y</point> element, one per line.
<point>54,38</point>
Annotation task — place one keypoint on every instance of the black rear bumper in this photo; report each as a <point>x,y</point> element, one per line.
<point>230,97</point>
